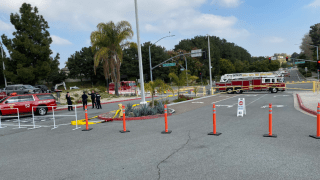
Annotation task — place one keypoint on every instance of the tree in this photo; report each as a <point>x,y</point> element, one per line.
<point>226,66</point>
<point>30,47</point>
<point>108,42</point>
<point>294,55</point>
<point>178,80</point>
<point>54,70</point>
<point>158,85</point>
<point>305,47</point>
<point>81,65</point>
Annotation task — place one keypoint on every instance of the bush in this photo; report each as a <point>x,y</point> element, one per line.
<point>76,95</point>
<point>144,110</point>
<point>102,89</point>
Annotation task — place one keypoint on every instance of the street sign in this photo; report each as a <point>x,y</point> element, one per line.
<point>273,58</point>
<point>168,64</point>
<point>182,69</point>
<point>196,53</point>
<point>300,62</point>
<point>241,107</point>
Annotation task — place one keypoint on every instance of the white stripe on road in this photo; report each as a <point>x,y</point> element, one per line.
<point>256,100</point>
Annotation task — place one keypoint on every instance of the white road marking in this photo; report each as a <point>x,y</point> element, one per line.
<point>229,106</point>
<point>256,100</point>
<point>251,95</point>
<point>266,106</point>
<point>224,99</point>
<point>298,76</point>
<point>281,95</point>
<point>196,102</point>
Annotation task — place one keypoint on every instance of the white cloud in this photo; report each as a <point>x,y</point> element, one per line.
<point>273,39</point>
<point>6,27</point>
<point>314,4</point>
<point>227,3</point>
<point>59,41</point>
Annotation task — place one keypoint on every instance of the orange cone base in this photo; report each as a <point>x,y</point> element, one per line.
<point>315,136</point>
<point>216,134</point>
<point>122,131</point>
<point>87,129</point>
<point>267,135</point>
<point>164,132</point>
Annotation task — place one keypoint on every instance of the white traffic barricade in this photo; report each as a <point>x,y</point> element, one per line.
<point>18,116</point>
<point>53,116</point>
<point>241,107</point>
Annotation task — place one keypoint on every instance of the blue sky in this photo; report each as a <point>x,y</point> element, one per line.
<point>263,27</point>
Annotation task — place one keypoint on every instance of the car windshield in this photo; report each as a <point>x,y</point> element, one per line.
<point>28,87</point>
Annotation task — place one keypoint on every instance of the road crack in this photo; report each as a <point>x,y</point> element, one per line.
<point>159,170</point>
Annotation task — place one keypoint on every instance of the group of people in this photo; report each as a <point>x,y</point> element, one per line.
<point>95,98</point>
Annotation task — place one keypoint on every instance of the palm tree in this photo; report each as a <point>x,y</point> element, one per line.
<point>108,42</point>
<point>158,85</point>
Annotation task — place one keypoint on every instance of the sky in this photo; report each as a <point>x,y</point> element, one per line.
<point>262,27</point>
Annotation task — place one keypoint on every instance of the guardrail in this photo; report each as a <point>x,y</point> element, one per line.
<point>18,116</point>
<point>53,116</point>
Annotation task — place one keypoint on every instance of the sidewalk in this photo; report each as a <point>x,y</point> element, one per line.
<point>307,101</point>
<point>114,100</point>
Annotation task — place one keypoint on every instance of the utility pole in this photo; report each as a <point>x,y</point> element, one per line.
<point>186,69</point>
<point>210,65</point>
<point>140,57</point>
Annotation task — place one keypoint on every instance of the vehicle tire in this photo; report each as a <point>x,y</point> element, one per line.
<point>42,111</point>
<point>274,90</point>
<point>238,91</point>
<point>230,91</point>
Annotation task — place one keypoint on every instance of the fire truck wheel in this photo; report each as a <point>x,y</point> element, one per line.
<point>230,91</point>
<point>238,91</point>
<point>274,90</point>
<point>42,111</point>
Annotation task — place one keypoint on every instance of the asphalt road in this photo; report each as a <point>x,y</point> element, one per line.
<point>295,75</point>
<point>240,152</point>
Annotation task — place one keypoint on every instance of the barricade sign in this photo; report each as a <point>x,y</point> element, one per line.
<point>241,107</point>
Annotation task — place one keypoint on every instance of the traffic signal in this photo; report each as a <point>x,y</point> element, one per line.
<point>287,59</point>
<point>269,59</point>
<point>204,54</point>
<point>318,64</point>
<point>200,74</point>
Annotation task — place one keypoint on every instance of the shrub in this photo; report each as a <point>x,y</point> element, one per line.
<point>102,89</point>
<point>76,95</point>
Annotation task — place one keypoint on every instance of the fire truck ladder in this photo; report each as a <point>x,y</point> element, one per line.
<point>236,76</point>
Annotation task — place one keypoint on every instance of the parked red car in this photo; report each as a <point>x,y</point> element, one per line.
<point>39,102</point>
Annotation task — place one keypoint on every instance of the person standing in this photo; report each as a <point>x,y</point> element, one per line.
<point>69,102</point>
<point>84,100</point>
<point>98,97</point>
<point>93,98</point>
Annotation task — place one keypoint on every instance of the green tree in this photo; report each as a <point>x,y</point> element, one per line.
<point>226,66</point>
<point>108,42</point>
<point>30,47</point>
<point>158,85</point>
<point>81,65</point>
<point>178,80</point>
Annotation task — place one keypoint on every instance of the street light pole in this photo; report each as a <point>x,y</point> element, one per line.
<point>140,58</point>
<point>150,55</point>
<point>5,80</point>
<point>186,69</point>
<point>209,65</point>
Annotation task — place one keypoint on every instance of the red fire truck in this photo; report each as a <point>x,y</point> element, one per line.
<point>124,85</point>
<point>238,83</point>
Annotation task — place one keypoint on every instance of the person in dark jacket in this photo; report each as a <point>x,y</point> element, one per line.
<point>84,100</point>
<point>93,98</point>
<point>69,102</point>
<point>98,97</point>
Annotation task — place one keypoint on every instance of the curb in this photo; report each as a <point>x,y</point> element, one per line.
<point>131,118</point>
<point>304,108</point>
<point>79,106</point>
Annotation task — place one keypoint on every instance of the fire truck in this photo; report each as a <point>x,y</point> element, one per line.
<point>124,85</point>
<point>243,82</point>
